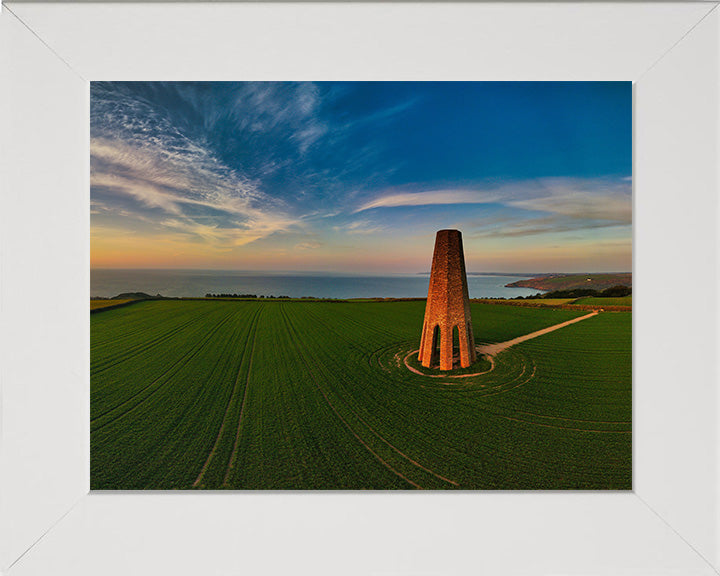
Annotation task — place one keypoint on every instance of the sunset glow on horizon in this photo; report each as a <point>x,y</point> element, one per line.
<point>356,177</point>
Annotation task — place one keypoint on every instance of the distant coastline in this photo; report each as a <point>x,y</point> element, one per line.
<point>571,281</point>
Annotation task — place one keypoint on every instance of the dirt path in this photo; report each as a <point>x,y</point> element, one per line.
<point>493,349</point>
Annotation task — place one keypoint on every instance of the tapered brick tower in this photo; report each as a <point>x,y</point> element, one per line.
<point>448,306</point>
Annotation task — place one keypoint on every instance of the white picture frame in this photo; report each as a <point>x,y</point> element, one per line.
<point>51,524</point>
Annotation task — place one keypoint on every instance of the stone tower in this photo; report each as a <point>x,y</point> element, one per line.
<point>448,306</point>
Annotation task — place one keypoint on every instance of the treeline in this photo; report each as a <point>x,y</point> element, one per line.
<point>612,292</point>
<point>271,297</point>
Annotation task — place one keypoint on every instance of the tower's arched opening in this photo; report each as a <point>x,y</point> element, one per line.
<point>435,346</point>
<point>455,345</point>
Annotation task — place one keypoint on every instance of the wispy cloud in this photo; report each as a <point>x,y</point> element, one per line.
<point>287,112</point>
<point>359,227</point>
<point>312,245</point>
<point>196,193</point>
<point>517,227</point>
<point>429,198</point>
<point>587,199</point>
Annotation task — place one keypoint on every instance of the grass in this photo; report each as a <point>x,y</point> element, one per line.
<point>95,304</point>
<point>312,395</point>
<point>598,301</point>
<point>545,301</point>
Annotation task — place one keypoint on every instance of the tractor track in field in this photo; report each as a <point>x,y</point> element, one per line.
<point>133,331</point>
<point>236,443</point>
<point>384,440</point>
<point>399,474</point>
<point>180,363</point>
<point>374,357</point>
<point>532,423</point>
<point>251,333</point>
<point>135,326</point>
<point>574,419</point>
<point>414,462</point>
<point>350,320</point>
<point>504,383</point>
<point>371,429</point>
<point>501,390</point>
<point>202,390</point>
<point>139,349</point>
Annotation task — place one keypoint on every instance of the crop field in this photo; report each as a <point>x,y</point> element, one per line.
<point>96,304</point>
<point>599,301</point>
<point>549,301</point>
<point>318,395</point>
<point>538,302</point>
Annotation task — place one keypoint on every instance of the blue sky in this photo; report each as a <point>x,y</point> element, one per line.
<point>358,176</point>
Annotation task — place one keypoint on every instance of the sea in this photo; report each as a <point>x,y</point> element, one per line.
<point>106,283</point>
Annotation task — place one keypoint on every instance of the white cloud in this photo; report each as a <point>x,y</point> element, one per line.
<point>311,245</point>
<point>359,227</point>
<point>586,199</point>
<point>202,197</point>
<point>289,110</point>
<point>581,205</point>
<point>307,136</point>
<point>430,198</point>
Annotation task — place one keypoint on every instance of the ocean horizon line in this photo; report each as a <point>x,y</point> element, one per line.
<point>341,273</point>
<point>195,283</point>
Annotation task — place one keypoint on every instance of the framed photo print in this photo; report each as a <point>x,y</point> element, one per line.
<point>359,288</point>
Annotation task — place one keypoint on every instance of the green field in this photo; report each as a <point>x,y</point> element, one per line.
<point>598,301</point>
<point>96,304</point>
<point>313,395</point>
<point>540,301</point>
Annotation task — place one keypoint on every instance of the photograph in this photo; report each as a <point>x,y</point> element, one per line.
<point>361,285</point>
